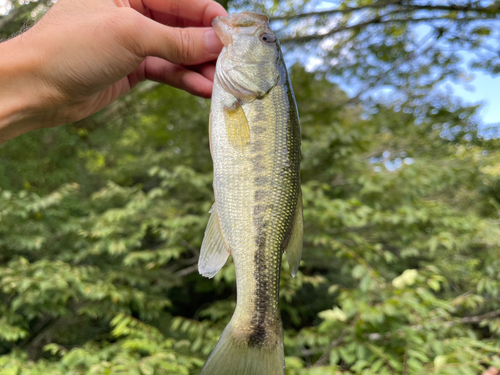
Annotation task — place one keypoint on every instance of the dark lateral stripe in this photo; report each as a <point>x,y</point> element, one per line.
<point>256,146</point>
<point>259,224</point>
<point>260,195</point>
<point>257,166</point>
<point>274,230</point>
<point>261,180</point>
<point>257,129</point>
<point>262,296</point>
<point>259,209</point>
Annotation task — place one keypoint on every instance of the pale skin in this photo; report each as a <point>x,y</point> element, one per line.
<point>84,54</point>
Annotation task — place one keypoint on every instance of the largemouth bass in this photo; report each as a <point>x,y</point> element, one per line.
<point>257,215</point>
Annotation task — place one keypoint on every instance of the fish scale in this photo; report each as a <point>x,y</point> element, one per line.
<point>257,267</point>
<point>255,146</point>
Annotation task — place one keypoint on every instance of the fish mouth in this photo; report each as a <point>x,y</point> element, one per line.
<point>225,26</point>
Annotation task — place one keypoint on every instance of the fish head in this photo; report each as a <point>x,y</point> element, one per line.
<point>251,62</point>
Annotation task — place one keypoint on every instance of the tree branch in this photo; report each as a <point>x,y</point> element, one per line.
<point>419,327</point>
<point>406,7</point>
<point>396,64</point>
<point>379,20</point>
<point>324,357</point>
<point>307,38</point>
<point>378,336</point>
<point>335,11</point>
<point>187,271</point>
<point>478,318</point>
<point>465,320</point>
<point>457,8</point>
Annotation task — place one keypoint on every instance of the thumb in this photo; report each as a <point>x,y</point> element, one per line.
<point>185,46</point>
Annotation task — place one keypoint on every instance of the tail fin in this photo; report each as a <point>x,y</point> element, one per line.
<point>233,356</point>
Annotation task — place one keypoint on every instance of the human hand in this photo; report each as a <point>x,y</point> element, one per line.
<point>84,54</point>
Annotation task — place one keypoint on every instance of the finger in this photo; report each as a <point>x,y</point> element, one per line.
<point>207,70</point>
<point>158,70</point>
<point>201,12</point>
<point>174,21</point>
<point>138,5</point>
<point>190,46</point>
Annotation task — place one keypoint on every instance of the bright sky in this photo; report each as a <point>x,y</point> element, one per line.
<point>5,7</point>
<point>481,89</point>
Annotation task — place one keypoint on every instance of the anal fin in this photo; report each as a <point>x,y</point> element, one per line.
<point>293,248</point>
<point>214,253</point>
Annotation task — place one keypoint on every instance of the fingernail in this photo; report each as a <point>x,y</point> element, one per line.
<point>212,42</point>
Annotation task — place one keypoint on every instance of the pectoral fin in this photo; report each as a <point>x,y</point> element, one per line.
<point>214,253</point>
<point>294,247</point>
<point>237,128</point>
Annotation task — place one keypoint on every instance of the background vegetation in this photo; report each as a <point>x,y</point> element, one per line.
<point>101,221</point>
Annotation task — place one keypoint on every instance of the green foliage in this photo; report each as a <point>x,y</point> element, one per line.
<point>101,224</point>
<point>399,273</point>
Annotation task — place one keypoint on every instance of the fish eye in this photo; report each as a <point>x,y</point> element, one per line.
<point>268,38</point>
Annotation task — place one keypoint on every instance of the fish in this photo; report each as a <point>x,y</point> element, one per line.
<point>255,143</point>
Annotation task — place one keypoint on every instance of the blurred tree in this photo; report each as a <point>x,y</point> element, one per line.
<point>101,223</point>
<point>407,46</point>
<point>368,43</point>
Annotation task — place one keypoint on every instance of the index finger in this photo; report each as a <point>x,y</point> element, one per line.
<point>201,12</point>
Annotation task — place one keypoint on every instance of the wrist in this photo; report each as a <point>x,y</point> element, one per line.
<point>25,98</point>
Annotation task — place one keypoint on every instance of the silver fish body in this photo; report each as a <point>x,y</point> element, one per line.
<point>257,215</point>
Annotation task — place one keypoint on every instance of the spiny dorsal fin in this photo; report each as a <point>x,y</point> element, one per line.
<point>214,253</point>
<point>237,128</point>
<point>294,247</point>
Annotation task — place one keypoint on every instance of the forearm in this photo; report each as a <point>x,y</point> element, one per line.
<point>25,99</point>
